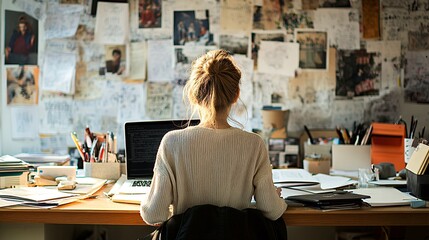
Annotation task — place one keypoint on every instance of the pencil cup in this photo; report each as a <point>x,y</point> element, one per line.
<point>408,149</point>
<point>102,170</point>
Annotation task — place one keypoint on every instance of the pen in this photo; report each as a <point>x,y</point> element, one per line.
<point>309,135</point>
<point>88,137</point>
<point>340,135</point>
<point>76,142</point>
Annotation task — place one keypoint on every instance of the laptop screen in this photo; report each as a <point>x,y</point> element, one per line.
<point>142,140</point>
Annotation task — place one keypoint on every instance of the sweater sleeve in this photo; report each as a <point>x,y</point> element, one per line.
<point>267,200</point>
<point>155,208</point>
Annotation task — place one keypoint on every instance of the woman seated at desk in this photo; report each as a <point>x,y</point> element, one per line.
<point>212,163</point>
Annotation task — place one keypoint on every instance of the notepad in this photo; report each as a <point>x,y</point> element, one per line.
<point>419,160</point>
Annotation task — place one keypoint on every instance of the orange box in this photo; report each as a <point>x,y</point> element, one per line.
<point>387,144</point>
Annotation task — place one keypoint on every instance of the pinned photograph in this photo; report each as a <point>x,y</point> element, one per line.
<point>150,13</point>
<point>22,85</point>
<point>313,48</point>
<point>234,44</point>
<point>115,59</point>
<point>21,36</point>
<point>192,28</point>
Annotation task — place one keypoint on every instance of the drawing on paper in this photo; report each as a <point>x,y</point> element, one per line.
<point>313,48</point>
<point>257,37</point>
<point>22,85</point>
<point>234,44</point>
<point>149,13</point>
<point>21,38</point>
<point>358,73</point>
<point>192,28</point>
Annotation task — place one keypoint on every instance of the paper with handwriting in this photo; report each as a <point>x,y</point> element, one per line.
<point>59,72</point>
<point>56,113</point>
<point>160,64</point>
<point>62,20</point>
<point>236,16</point>
<point>112,23</point>
<point>33,8</point>
<point>138,61</point>
<point>159,101</point>
<point>25,122</point>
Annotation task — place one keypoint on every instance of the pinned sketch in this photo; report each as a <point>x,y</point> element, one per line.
<point>243,109</point>
<point>297,19</point>
<point>268,15</point>
<point>235,44</point>
<point>56,114</point>
<point>160,64</point>
<point>21,38</point>
<point>131,104</point>
<point>159,101</point>
<point>184,56</point>
<point>342,26</point>
<point>391,62</point>
<point>33,8</point>
<point>62,20</point>
<point>181,108</point>
<point>313,48</point>
<point>416,75</point>
<point>395,24</point>
<point>138,51</point>
<point>278,58</point>
<point>61,45</point>
<point>192,28</point>
<point>358,73</point>
<point>22,85</point>
<point>112,23</point>
<point>24,122</point>
<point>259,36</point>
<point>149,14</point>
<point>58,72</point>
<point>236,16</point>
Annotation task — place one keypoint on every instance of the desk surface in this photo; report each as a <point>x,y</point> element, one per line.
<point>102,211</point>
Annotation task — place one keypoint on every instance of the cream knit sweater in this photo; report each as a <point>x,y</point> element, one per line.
<point>223,167</point>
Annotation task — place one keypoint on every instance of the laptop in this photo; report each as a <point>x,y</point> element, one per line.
<point>142,140</point>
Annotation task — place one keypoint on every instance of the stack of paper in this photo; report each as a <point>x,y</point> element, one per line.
<point>385,196</point>
<point>419,161</point>
<point>34,196</point>
<point>10,165</point>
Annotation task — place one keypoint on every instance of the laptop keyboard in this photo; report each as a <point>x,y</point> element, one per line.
<point>141,183</point>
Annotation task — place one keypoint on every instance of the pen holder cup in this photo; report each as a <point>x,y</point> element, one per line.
<point>102,170</point>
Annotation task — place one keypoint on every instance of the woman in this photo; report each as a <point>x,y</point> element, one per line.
<point>212,163</point>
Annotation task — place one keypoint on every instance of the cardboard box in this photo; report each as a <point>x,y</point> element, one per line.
<point>350,157</point>
<point>102,170</point>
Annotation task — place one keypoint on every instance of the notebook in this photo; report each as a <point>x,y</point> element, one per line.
<point>335,199</point>
<point>142,140</point>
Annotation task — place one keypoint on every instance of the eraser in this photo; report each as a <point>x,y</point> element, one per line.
<point>418,203</point>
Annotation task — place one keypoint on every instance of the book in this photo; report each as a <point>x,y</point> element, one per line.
<point>300,177</point>
<point>419,160</point>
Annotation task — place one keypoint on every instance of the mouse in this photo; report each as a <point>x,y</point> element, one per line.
<point>66,185</point>
<point>403,174</point>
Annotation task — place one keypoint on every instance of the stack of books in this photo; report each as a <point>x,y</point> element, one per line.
<point>11,166</point>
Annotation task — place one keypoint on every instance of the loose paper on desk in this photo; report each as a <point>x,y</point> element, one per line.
<point>301,177</point>
<point>34,194</point>
<point>112,23</point>
<point>385,196</point>
<point>25,122</point>
<point>62,20</point>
